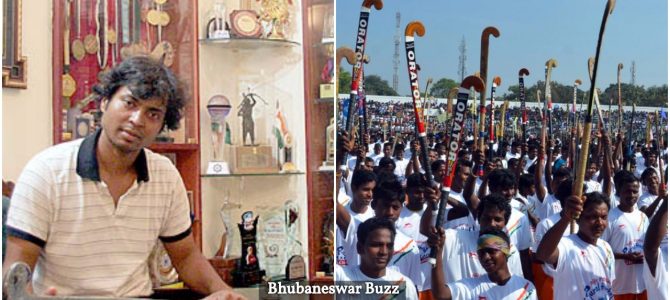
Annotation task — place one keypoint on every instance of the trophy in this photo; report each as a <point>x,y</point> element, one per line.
<point>329,163</point>
<point>327,87</point>
<point>218,108</point>
<point>217,27</point>
<point>252,157</point>
<point>248,271</point>
<point>274,18</point>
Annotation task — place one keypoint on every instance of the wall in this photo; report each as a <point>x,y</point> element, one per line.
<point>26,114</point>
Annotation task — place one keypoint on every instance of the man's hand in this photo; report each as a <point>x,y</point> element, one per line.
<point>574,206</point>
<point>225,295</point>
<point>436,238</point>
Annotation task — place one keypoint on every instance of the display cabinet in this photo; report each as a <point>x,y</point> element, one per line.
<point>318,37</point>
<point>90,36</point>
<point>253,118</point>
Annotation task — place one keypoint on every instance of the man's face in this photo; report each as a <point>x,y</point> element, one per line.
<point>432,155</point>
<point>441,149</point>
<point>593,221</point>
<point>593,168</point>
<point>376,251</point>
<point>462,175</point>
<point>491,259</point>
<point>387,151</point>
<point>399,153</point>
<point>130,124</point>
<point>416,194</point>
<point>507,192</point>
<point>388,209</point>
<point>440,172</point>
<point>363,194</point>
<point>651,160</point>
<point>492,218</point>
<point>378,149</point>
<point>530,190</point>
<point>369,166</point>
<point>629,194</point>
<point>532,153</point>
<point>516,149</point>
<point>652,182</point>
<point>556,181</point>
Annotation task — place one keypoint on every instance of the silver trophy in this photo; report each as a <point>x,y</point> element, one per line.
<point>218,108</point>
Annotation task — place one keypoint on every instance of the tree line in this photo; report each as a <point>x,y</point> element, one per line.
<point>560,93</point>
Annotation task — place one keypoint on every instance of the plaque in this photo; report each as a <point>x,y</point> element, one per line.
<point>329,163</point>
<point>244,24</point>
<point>295,268</point>
<point>82,127</point>
<point>248,271</point>
<point>254,159</point>
<point>326,90</point>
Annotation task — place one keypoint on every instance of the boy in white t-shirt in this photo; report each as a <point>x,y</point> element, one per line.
<point>493,251</point>
<point>355,212</point>
<point>625,233</point>
<point>655,267</point>
<point>581,264</point>
<point>375,244</point>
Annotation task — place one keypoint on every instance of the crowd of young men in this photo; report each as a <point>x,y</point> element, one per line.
<point>513,227</point>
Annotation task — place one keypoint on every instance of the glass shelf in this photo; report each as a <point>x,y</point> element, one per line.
<point>248,43</point>
<point>251,174</point>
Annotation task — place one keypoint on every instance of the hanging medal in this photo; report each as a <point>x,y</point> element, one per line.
<point>159,18</point>
<point>90,40</point>
<point>78,51</point>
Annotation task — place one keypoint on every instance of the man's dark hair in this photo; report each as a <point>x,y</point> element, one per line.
<point>373,224</point>
<point>434,166</point>
<point>564,191</point>
<point>496,232</point>
<point>501,178</point>
<point>385,161</point>
<point>416,180</point>
<point>625,178</point>
<point>361,177</point>
<point>562,172</point>
<point>496,201</point>
<point>526,180</point>
<point>596,198</point>
<point>368,159</point>
<point>387,190</point>
<point>462,163</point>
<point>146,78</point>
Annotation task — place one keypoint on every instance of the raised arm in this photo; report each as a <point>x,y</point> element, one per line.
<point>439,286</point>
<point>539,187</point>
<point>547,251</point>
<point>655,232</point>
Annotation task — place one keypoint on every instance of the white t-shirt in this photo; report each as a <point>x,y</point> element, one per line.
<point>625,234</point>
<point>656,284</point>
<point>463,223</point>
<point>482,287</point>
<point>593,186</point>
<point>400,168</point>
<point>545,225</point>
<point>408,223</point>
<point>460,259</point>
<point>346,244</point>
<point>392,277</point>
<point>583,271</point>
<point>549,206</point>
<point>646,199</point>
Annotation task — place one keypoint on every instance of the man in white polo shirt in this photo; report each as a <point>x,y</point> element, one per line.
<point>86,214</point>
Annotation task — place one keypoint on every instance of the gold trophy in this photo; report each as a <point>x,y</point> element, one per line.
<point>275,18</point>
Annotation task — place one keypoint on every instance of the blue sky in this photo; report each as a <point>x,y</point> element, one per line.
<point>531,32</point>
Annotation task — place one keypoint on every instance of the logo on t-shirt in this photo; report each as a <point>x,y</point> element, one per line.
<point>599,288</point>
<point>341,258</point>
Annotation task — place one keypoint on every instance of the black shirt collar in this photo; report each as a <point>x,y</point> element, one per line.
<point>87,160</point>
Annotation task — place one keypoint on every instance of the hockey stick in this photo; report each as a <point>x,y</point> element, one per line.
<point>581,167</point>
<point>483,69</point>
<point>356,74</point>
<point>453,147</point>
<point>496,83</point>
<point>618,83</point>
<point>415,27</point>
<point>522,98</point>
<point>549,65</point>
